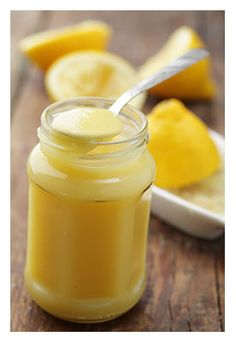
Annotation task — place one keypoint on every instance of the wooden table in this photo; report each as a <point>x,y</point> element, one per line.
<point>185,288</point>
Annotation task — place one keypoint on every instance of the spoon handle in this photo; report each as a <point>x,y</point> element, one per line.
<point>179,64</point>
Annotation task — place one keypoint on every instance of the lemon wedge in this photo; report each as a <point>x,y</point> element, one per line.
<point>192,83</point>
<point>181,146</point>
<point>44,48</point>
<point>91,73</point>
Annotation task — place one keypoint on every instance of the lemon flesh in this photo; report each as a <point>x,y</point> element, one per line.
<point>91,73</point>
<point>44,48</point>
<point>192,83</point>
<point>181,146</point>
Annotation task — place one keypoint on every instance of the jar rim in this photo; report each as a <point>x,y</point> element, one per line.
<point>46,130</point>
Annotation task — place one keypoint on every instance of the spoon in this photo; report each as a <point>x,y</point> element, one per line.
<point>173,68</point>
<point>88,125</point>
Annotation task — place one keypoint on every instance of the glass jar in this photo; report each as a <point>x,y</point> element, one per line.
<point>88,218</point>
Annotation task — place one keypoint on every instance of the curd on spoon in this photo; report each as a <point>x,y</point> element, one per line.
<point>88,123</point>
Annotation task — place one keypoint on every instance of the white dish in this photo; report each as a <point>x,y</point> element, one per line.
<point>185,215</point>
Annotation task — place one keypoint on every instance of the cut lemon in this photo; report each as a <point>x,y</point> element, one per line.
<point>91,73</point>
<point>44,48</point>
<point>181,146</point>
<point>192,83</point>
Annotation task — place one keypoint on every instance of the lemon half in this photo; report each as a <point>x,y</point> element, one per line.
<point>193,83</point>
<point>44,48</point>
<point>180,143</point>
<point>91,73</point>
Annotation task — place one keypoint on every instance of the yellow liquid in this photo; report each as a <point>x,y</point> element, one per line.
<point>87,235</point>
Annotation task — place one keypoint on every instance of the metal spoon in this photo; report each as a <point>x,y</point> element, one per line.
<point>173,68</point>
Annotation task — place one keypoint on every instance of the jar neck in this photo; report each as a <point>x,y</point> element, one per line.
<point>66,148</point>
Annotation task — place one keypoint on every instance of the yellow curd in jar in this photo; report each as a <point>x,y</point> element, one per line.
<point>89,202</point>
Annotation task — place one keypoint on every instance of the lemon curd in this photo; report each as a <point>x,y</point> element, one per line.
<point>88,124</point>
<point>89,203</point>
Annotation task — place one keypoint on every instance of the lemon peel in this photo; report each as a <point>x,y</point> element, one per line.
<point>193,83</point>
<point>181,145</point>
<point>43,48</point>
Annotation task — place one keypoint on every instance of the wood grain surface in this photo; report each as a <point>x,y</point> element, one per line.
<point>185,288</point>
